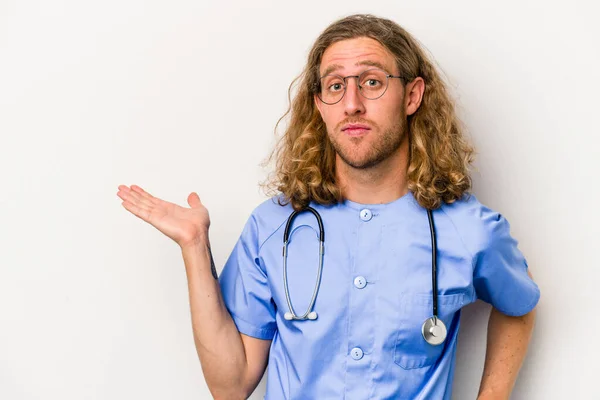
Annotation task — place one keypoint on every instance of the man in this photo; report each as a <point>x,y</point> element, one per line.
<point>373,143</point>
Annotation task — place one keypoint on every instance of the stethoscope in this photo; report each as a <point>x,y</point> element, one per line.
<point>433,330</point>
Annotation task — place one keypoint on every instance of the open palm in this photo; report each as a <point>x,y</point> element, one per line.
<point>184,225</point>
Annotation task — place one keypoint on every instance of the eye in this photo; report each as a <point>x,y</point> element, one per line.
<point>373,79</point>
<point>336,87</point>
<point>332,83</point>
<point>371,83</point>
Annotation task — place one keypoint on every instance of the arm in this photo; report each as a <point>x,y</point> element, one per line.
<point>507,342</point>
<point>232,363</point>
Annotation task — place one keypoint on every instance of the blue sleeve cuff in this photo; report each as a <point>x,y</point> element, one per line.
<point>523,310</point>
<point>248,329</point>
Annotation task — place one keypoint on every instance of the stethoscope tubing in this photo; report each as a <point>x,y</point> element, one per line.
<point>433,329</point>
<point>433,263</point>
<point>320,270</point>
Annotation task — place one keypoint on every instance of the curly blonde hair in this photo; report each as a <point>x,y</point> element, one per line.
<point>439,154</point>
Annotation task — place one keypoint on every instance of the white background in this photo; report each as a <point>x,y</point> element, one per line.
<point>183,96</point>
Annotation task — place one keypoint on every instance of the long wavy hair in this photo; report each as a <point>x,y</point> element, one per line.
<point>439,154</point>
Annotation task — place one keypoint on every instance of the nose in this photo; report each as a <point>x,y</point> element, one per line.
<point>353,100</point>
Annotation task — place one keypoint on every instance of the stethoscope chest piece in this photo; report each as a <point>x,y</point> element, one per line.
<point>434,331</point>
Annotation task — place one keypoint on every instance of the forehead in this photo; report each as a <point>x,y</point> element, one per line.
<point>349,54</point>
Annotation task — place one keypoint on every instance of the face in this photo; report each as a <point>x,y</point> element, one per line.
<point>365,132</point>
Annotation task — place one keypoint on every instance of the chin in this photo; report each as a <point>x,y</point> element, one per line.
<point>359,162</point>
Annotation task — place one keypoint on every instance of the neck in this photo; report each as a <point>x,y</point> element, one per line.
<point>382,183</point>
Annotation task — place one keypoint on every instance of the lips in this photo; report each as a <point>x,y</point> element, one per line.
<point>355,129</point>
<point>355,126</point>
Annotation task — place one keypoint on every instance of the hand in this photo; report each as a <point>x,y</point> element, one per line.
<point>186,226</point>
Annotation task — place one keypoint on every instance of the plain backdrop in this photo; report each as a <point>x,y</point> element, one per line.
<point>183,96</point>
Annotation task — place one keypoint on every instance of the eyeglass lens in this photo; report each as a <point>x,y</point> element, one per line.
<point>372,83</point>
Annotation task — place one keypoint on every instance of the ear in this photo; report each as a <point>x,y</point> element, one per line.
<point>318,104</point>
<point>414,95</point>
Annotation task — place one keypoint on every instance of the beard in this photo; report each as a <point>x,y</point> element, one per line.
<point>386,144</point>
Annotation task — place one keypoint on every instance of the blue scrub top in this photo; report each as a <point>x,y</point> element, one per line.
<point>374,296</point>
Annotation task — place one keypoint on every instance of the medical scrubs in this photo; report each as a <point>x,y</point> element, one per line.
<point>374,296</point>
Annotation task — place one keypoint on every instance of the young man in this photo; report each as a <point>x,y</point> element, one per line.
<point>375,150</point>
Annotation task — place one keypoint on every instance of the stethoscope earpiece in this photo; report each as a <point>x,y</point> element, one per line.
<point>289,316</point>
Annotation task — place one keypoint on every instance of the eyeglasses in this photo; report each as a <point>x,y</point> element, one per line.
<point>372,84</point>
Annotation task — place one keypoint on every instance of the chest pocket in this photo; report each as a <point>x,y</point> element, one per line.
<point>411,349</point>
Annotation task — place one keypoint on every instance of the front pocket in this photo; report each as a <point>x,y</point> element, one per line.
<point>411,349</point>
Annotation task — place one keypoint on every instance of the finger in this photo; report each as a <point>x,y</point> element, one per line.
<point>142,198</point>
<point>135,210</point>
<point>145,195</point>
<point>134,199</point>
<point>141,192</point>
<point>194,200</point>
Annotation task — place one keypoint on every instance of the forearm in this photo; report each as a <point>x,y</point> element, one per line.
<point>507,342</point>
<point>218,342</point>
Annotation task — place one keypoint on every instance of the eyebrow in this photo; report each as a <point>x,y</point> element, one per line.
<point>335,67</point>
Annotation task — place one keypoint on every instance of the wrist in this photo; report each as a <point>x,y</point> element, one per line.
<point>200,241</point>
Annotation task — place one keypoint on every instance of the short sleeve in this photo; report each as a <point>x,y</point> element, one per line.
<point>245,288</point>
<point>500,271</point>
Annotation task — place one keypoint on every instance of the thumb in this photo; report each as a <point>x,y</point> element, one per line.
<point>194,200</point>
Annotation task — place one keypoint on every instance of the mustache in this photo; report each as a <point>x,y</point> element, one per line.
<point>355,121</point>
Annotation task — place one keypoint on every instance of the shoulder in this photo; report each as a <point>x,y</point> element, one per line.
<point>268,217</point>
<point>477,224</point>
